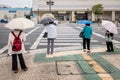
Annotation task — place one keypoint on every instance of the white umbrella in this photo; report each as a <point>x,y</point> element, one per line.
<point>110,26</point>
<point>47,15</point>
<point>20,23</point>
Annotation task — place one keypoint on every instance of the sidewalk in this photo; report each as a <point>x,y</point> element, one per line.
<point>65,65</point>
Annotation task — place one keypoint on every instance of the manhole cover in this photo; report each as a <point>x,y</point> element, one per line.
<point>67,68</point>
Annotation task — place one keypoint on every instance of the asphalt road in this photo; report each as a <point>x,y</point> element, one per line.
<point>67,36</point>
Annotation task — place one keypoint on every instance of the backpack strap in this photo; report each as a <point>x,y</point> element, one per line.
<point>15,35</point>
<point>19,33</point>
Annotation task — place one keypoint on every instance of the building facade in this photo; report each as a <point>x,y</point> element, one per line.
<point>72,10</point>
<point>10,13</point>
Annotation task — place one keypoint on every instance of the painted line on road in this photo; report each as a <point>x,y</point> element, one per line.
<point>36,43</point>
<point>6,47</point>
<point>63,44</point>
<point>67,38</point>
<point>68,41</point>
<point>32,31</point>
<point>3,49</point>
<point>99,35</point>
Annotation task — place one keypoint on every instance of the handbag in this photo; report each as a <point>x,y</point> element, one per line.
<point>81,34</point>
<point>45,34</point>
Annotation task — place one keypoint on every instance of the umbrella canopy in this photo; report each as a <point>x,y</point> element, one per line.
<point>110,26</point>
<point>47,20</point>
<point>47,15</point>
<point>84,22</point>
<point>20,23</point>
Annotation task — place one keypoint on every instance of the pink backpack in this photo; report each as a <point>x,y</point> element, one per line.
<point>17,43</point>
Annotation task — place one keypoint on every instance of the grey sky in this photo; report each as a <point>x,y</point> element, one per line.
<point>17,3</point>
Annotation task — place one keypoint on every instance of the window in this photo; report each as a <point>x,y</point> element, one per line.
<point>12,11</point>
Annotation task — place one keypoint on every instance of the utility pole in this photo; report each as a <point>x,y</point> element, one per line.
<point>38,16</point>
<point>50,3</point>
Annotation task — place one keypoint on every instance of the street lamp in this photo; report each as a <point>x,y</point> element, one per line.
<point>50,3</point>
<point>86,14</point>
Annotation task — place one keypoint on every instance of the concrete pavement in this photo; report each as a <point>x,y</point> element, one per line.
<point>63,66</point>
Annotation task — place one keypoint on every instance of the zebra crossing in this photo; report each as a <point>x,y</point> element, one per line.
<point>67,36</point>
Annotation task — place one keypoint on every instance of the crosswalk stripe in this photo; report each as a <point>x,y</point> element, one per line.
<point>35,44</point>
<point>66,38</point>
<point>73,44</point>
<point>6,47</point>
<point>67,41</point>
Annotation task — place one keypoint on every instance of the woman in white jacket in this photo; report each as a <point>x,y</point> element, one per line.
<point>15,53</point>
<point>51,36</point>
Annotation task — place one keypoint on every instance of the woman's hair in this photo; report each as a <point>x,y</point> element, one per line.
<point>45,24</point>
<point>49,23</point>
<point>87,24</point>
<point>108,34</point>
<point>111,34</point>
<point>52,23</point>
<point>17,29</point>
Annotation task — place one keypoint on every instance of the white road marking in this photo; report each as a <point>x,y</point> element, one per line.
<point>66,38</point>
<point>32,31</point>
<point>114,41</point>
<point>6,47</point>
<point>36,43</point>
<point>66,43</point>
<point>3,49</point>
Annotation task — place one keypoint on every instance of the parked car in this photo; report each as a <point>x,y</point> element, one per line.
<point>4,20</point>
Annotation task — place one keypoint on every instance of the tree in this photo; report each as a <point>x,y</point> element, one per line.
<point>97,10</point>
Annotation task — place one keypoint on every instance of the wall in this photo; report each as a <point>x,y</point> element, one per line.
<point>12,12</point>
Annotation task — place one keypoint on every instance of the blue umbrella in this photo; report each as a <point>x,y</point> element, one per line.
<point>84,22</point>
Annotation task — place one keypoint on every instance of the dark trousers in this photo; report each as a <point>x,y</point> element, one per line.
<point>109,46</point>
<point>86,42</point>
<point>50,45</point>
<point>15,63</point>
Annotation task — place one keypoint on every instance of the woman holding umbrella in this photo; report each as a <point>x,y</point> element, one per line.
<point>48,21</point>
<point>16,41</point>
<point>87,32</point>
<point>110,30</point>
<point>109,44</point>
<point>52,34</point>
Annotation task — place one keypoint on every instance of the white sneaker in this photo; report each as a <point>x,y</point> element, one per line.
<point>47,55</point>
